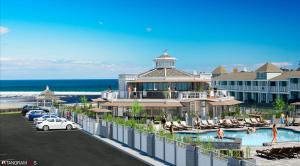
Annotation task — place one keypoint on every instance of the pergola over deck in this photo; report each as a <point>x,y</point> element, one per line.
<point>217,107</point>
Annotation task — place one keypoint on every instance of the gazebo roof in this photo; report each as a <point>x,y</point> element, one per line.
<point>47,92</point>
<point>100,110</point>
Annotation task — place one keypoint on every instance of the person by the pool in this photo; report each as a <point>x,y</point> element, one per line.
<point>282,119</point>
<point>220,133</point>
<point>253,129</point>
<point>163,121</point>
<point>274,131</point>
<point>248,130</point>
<point>171,128</point>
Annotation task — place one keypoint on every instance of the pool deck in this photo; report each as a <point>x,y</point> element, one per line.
<point>295,128</point>
<point>261,161</point>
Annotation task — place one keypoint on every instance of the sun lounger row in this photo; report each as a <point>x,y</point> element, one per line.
<point>279,153</point>
<point>177,126</point>
<point>230,123</point>
<point>257,122</point>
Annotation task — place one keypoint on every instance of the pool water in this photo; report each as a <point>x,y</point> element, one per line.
<point>253,139</point>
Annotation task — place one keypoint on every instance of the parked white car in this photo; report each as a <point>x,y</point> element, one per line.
<point>44,117</point>
<point>55,123</point>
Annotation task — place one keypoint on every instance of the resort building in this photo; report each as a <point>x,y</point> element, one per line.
<point>165,89</point>
<point>264,85</point>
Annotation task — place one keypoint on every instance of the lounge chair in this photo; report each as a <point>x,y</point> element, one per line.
<point>263,122</point>
<point>227,123</point>
<point>295,151</point>
<point>296,122</point>
<point>270,153</point>
<point>178,126</point>
<point>206,125</point>
<point>238,123</point>
<point>254,121</point>
<point>183,124</point>
<point>212,123</point>
<point>249,122</point>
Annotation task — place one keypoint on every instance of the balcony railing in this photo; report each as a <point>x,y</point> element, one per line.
<point>192,95</point>
<point>112,95</point>
<point>295,87</point>
<point>246,88</point>
<point>278,89</point>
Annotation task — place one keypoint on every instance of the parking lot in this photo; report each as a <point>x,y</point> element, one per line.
<point>19,140</point>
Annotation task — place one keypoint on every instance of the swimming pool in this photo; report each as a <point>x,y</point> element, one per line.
<point>253,139</point>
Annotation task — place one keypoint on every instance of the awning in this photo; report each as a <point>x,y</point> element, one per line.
<point>148,104</point>
<point>296,103</point>
<point>100,110</point>
<point>225,103</point>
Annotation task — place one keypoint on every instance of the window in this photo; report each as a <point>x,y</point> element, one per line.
<point>58,120</point>
<point>50,120</point>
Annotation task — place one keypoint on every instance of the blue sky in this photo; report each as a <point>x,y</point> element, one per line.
<point>68,39</point>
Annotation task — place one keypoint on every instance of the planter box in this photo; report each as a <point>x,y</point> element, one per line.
<point>144,142</point>
<point>191,155</point>
<point>92,126</point>
<point>204,159</point>
<point>97,128</point>
<point>115,131</point>
<point>128,136</point>
<point>159,147</point>
<point>248,162</point>
<point>170,150</point>
<point>150,144</point>
<point>180,154</point>
<point>237,162</point>
<point>103,128</point>
<point>120,133</point>
<point>137,140</point>
<point>220,161</point>
<point>109,131</point>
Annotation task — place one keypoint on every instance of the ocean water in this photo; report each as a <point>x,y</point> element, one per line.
<point>87,85</point>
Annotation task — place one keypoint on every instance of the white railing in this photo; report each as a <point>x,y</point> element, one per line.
<point>295,87</point>
<point>278,89</point>
<point>109,95</point>
<point>192,95</point>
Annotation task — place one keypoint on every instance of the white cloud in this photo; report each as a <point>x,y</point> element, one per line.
<point>63,68</point>
<point>3,30</point>
<point>149,29</point>
<point>282,64</point>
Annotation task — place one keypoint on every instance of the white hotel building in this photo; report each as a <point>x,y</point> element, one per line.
<point>264,85</point>
<point>169,90</point>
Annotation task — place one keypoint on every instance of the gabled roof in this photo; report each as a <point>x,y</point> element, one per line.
<point>162,72</point>
<point>286,75</point>
<point>219,70</point>
<point>269,68</point>
<point>239,76</point>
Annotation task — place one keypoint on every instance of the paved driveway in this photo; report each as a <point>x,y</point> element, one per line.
<point>19,140</point>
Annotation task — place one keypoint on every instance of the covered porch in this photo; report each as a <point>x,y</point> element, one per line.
<point>220,108</point>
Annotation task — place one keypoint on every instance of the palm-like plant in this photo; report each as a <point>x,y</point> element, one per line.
<point>136,108</point>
